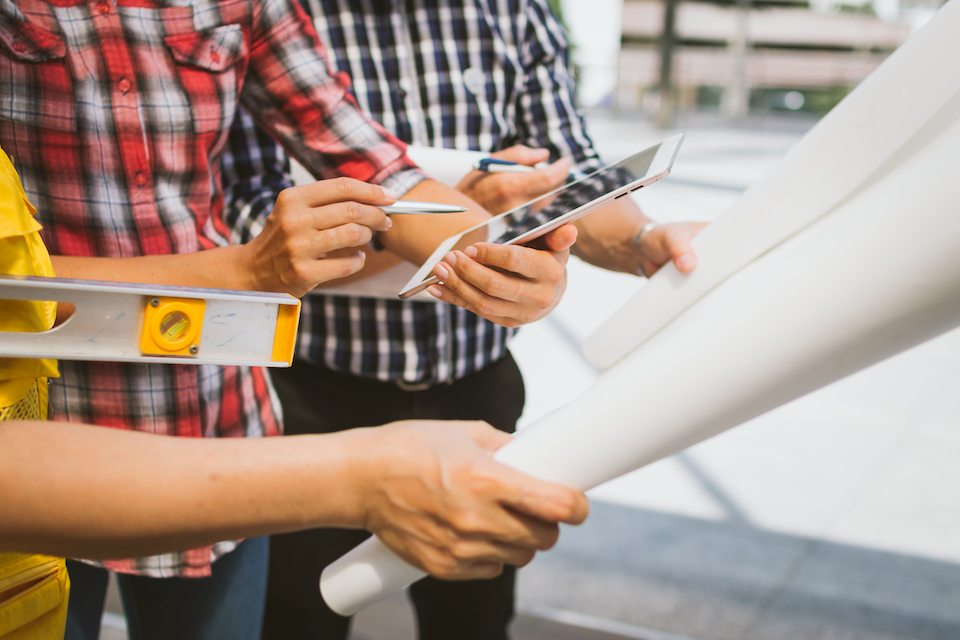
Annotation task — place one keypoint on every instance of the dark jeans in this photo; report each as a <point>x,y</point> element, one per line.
<point>228,605</point>
<point>318,400</point>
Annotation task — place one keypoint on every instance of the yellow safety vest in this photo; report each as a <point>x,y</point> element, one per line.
<point>33,589</point>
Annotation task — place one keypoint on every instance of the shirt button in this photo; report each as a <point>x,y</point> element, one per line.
<point>140,179</point>
<point>214,57</point>
<point>474,80</point>
<point>124,85</point>
<point>103,7</point>
<point>402,92</point>
<point>19,47</point>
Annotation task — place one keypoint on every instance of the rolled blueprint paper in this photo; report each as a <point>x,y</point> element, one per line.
<point>879,275</point>
<point>844,255</point>
<point>860,142</point>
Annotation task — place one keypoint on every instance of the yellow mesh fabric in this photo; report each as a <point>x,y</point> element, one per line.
<point>27,409</point>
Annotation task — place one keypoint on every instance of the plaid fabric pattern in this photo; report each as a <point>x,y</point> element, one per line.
<point>464,74</point>
<point>115,114</point>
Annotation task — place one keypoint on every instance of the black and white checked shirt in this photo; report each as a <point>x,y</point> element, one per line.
<point>467,74</point>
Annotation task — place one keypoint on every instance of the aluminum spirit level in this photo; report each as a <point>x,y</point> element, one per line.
<point>155,323</point>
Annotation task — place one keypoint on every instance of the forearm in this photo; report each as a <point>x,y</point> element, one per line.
<point>82,491</point>
<point>220,268</point>
<point>415,237</point>
<point>605,237</point>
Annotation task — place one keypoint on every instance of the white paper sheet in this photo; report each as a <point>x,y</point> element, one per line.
<point>879,276</point>
<point>448,166</point>
<point>885,119</point>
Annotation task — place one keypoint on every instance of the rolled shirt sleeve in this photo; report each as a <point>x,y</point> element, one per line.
<point>290,91</point>
<point>546,110</point>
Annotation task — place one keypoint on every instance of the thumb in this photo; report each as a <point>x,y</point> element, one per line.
<point>684,258</point>
<point>679,249</point>
<point>485,436</point>
<point>559,171</point>
<point>561,239</point>
<point>522,154</point>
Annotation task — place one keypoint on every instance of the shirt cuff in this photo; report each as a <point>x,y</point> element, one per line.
<point>400,182</point>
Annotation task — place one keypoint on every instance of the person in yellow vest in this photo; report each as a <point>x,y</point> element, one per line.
<point>431,491</point>
<point>33,588</point>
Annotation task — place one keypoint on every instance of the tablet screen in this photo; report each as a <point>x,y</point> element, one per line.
<point>548,208</point>
<point>564,204</point>
<point>507,227</point>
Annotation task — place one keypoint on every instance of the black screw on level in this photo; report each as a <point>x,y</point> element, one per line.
<point>194,349</point>
<point>154,302</point>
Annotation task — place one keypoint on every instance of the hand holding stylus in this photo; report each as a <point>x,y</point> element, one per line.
<point>504,190</point>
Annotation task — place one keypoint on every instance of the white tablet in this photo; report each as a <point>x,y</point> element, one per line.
<point>560,206</point>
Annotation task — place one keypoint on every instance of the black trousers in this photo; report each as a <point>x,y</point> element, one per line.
<point>318,400</point>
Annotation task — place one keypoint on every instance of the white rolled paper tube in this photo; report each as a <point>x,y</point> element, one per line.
<point>366,574</point>
<point>877,276</point>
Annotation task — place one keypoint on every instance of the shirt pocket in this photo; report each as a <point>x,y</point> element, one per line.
<point>211,65</point>
<point>36,88</point>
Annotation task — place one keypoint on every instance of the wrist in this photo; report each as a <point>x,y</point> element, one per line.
<point>323,481</point>
<point>359,461</point>
<point>245,267</point>
<point>649,226</point>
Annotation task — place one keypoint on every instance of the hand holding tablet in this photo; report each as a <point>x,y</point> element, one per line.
<point>561,206</point>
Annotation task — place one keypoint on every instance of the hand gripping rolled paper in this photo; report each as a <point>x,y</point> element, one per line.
<point>875,272</point>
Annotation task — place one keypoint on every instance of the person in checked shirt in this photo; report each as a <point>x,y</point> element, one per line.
<point>115,114</point>
<point>481,75</point>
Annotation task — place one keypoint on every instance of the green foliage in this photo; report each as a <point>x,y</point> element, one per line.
<point>557,9</point>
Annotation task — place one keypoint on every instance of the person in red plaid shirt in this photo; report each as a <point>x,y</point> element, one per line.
<point>115,115</point>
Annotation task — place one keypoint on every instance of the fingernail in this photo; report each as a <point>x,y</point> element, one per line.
<point>389,222</point>
<point>441,270</point>
<point>686,262</point>
<point>361,255</point>
<point>450,258</point>
<point>390,193</point>
<point>434,290</point>
<point>470,252</point>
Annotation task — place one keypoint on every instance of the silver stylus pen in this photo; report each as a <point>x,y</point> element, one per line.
<point>411,206</point>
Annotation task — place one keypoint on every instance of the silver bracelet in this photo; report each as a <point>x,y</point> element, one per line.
<point>637,240</point>
<point>646,227</point>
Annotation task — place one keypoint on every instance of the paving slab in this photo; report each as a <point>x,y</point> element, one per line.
<point>725,580</point>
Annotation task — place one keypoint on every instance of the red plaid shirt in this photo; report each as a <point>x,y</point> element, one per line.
<point>115,113</point>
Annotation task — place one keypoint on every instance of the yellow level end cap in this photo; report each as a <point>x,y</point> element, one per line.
<point>285,339</point>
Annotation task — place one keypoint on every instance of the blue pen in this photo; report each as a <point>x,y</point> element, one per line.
<point>494,165</point>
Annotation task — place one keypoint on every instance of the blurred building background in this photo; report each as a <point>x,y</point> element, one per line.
<point>662,57</point>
